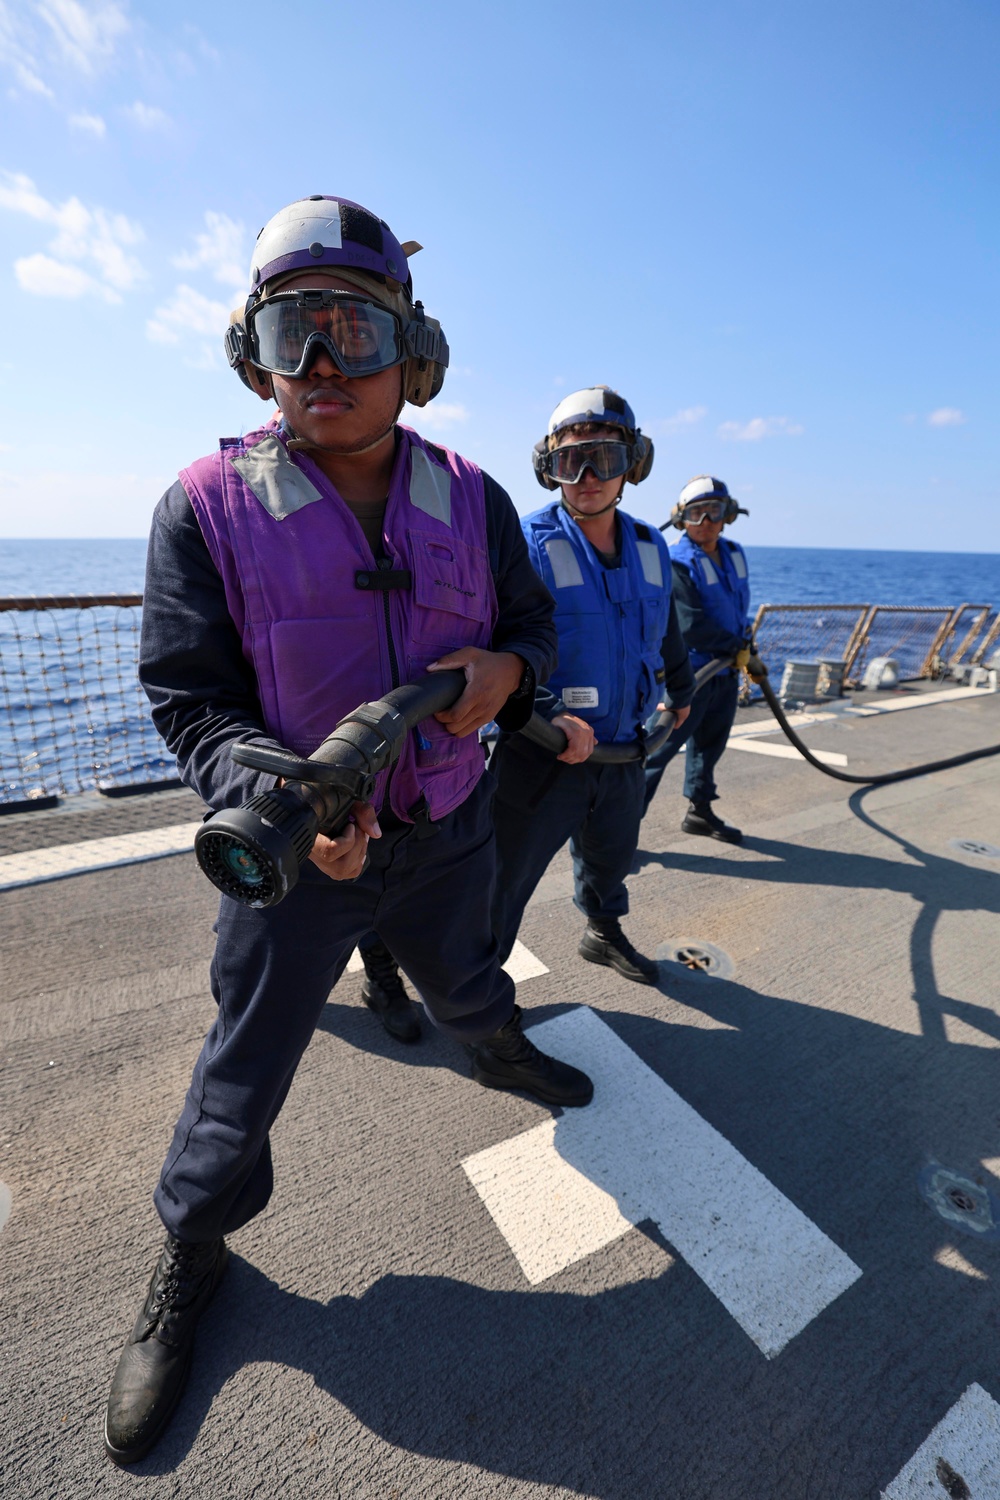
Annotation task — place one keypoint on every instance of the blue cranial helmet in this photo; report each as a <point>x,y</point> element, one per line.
<point>601,405</point>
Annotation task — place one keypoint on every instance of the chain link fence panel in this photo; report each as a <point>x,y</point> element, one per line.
<point>72,714</point>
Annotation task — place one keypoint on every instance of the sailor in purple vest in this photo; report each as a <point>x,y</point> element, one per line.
<point>620,647</point>
<point>712,589</point>
<point>310,566</point>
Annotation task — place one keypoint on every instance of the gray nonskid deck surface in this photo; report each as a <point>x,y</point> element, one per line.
<point>375,1335</point>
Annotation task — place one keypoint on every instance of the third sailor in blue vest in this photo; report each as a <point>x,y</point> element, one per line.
<point>712,591</point>
<point>620,647</point>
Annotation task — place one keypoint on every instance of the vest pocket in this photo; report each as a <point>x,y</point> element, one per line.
<point>654,622</point>
<point>449,576</point>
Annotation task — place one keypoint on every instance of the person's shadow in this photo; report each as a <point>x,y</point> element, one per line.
<point>935,883</point>
<point>652,1389</point>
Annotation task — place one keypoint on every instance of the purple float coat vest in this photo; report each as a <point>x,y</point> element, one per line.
<point>298,576</point>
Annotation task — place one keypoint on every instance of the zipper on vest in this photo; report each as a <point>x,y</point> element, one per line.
<point>384,564</point>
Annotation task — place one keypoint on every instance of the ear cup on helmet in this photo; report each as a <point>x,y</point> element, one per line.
<point>538,454</point>
<point>423,378</point>
<point>732,511</point>
<point>642,451</point>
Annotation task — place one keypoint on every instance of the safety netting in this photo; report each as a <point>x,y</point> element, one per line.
<point>806,632</point>
<point>911,635</point>
<point>72,714</point>
<point>966,628</point>
<point>74,718</point>
<point>924,640</point>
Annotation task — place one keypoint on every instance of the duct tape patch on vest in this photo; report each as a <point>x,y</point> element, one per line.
<point>580,697</point>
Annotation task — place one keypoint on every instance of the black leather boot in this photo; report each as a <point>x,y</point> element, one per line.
<point>384,993</point>
<point>154,1365</point>
<point>603,942</point>
<point>701,819</point>
<point>508,1060</point>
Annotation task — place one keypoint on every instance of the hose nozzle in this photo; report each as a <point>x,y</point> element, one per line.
<point>254,853</point>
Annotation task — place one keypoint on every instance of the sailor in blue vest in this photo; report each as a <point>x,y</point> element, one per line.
<point>712,590</point>
<point>620,647</point>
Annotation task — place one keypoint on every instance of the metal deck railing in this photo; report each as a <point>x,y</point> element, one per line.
<point>73,717</point>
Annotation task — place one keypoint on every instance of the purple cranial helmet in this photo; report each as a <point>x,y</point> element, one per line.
<point>325,233</point>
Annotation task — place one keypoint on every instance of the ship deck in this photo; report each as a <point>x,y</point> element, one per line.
<point>723,1281</point>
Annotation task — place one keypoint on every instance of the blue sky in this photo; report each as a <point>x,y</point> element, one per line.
<point>773,227</point>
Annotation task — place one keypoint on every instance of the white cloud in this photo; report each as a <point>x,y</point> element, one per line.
<point>30,81</point>
<point>86,34</point>
<point>221,250</point>
<point>759,427</point>
<point>16,52</point>
<point>436,415</point>
<point>88,124</point>
<point>946,416</point>
<point>189,317</point>
<point>46,277</point>
<point>82,234</point>
<point>686,417</point>
<point>146,116</point>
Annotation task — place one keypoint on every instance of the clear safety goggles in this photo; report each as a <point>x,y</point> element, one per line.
<point>607,458</point>
<point>703,510</point>
<point>286,332</point>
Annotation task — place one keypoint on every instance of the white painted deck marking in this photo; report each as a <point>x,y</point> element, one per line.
<point>787,752</point>
<point>920,700</point>
<point>846,710</point>
<point>521,965</point>
<point>569,1186</point>
<point>95,854</point>
<point>5,1202</point>
<point>964,1445</point>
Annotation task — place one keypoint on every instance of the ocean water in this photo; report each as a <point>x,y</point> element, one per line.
<point>72,715</point>
<point>778,575</point>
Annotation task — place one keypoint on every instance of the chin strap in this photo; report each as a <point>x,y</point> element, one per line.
<point>302,445</point>
<point>591,515</point>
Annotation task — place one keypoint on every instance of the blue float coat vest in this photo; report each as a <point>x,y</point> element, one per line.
<point>611,621</point>
<point>723,586</point>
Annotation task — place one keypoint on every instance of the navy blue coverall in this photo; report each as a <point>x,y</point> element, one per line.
<point>712,608</point>
<point>426,890</point>
<point>619,645</point>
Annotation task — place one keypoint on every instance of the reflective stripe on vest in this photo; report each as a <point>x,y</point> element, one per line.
<point>565,568</point>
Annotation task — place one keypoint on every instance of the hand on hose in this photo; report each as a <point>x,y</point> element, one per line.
<point>343,858</point>
<point>680,714</point>
<point>742,659</point>
<point>491,677</point>
<point>756,669</point>
<point>580,736</point>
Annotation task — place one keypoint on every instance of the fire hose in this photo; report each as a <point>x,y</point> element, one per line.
<point>254,853</point>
